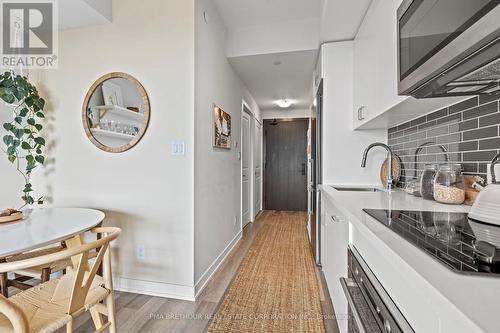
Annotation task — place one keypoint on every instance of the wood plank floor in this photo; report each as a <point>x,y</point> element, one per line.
<point>140,313</point>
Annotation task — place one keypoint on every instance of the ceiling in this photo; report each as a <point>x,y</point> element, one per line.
<point>249,13</point>
<point>338,20</point>
<point>268,81</point>
<point>82,13</point>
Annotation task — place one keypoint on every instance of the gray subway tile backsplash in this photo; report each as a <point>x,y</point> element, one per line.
<point>481,110</point>
<point>467,104</point>
<point>481,133</point>
<point>469,131</point>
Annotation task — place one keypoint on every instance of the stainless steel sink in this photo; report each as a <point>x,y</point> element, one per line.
<point>356,189</point>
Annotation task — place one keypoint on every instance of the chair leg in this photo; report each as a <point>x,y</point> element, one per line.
<point>110,304</point>
<point>96,318</point>
<point>69,326</point>
<point>4,285</point>
<point>45,275</point>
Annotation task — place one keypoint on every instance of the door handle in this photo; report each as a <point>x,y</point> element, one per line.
<point>345,283</point>
<point>303,170</point>
<point>360,113</point>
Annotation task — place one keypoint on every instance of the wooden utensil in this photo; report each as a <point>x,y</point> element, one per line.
<point>11,218</point>
<point>396,170</point>
<point>470,192</point>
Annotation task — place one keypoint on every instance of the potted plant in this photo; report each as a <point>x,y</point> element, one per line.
<point>23,141</point>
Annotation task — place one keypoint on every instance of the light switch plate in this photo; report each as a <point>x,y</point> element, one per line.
<point>178,148</point>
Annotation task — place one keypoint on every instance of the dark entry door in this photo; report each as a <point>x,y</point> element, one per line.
<point>286,165</point>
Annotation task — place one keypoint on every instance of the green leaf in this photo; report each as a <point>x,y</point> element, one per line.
<point>18,120</point>
<point>30,158</point>
<point>12,158</point>
<point>16,143</point>
<point>40,114</point>
<point>9,98</point>
<point>40,141</point>
<point>8,126</point>
<point>30,200</point>
<point>7,139</point>
<point>29,101</point>
<point>27,131</point>
<point>8,82</point>
<point>18,132</point>
<point>39,151</point>
<point>26,146</point>
<point>11,150</point>
<point>31,121</point>
<point>40,159</point>
<point>38,127</point>
<point>24,112</point>
<point>19,93</point>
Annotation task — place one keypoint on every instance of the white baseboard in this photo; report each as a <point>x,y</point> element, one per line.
<point>205,277</point>
<point>151,288</point>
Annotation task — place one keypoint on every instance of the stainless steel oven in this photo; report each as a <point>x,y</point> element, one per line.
<point>448,47</point>
<point>371,309</point>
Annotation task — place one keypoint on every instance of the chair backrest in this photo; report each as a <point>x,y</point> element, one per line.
<point>82,275</point>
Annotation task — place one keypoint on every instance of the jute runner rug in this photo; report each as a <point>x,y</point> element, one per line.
<point>275,288</point>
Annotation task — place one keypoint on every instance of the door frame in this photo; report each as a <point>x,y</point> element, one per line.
<point>260,151</point>
<point>245,108</point>
<point>264,152</point>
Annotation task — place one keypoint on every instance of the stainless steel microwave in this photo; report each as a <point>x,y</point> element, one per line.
<point>448,47</point>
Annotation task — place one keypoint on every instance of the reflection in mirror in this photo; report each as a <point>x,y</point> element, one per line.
<point>116,112</point>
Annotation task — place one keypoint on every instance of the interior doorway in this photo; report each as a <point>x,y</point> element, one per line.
<point>258,168</point>
<point>246,166</point>
<point>285,164</point>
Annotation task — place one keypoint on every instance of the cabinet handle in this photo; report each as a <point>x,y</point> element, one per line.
<point>337,219</point>
<point>360,113</point>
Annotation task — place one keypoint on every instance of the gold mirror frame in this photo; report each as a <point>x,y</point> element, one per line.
<point>145,99</point>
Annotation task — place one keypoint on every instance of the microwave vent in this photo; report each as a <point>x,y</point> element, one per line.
<point>489,72</point>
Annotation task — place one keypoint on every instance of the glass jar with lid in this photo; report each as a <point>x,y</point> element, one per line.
<point>449,185</point>
<point>427,181</point>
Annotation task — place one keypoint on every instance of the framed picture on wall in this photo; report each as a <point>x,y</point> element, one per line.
<point>222,128</point>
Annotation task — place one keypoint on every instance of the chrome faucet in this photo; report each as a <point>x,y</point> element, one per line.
<point>422,146</point>
<point>390,176</point>
<point>495,161</point>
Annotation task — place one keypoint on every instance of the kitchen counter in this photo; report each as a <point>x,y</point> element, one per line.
<point>430,295</point>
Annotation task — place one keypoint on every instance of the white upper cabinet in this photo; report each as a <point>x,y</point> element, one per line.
<point>376,100</point>
<point>375,62</point>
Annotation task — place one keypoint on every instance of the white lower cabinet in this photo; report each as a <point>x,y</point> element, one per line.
<point>334,242</point>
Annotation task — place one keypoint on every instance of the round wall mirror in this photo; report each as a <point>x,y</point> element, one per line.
<point>116,112</point>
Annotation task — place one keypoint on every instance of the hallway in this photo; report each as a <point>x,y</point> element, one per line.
<point>274,251</point>
<point>276,288</point>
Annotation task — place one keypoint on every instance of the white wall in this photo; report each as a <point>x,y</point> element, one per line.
<point>342,147</point>
<point>145,191</point>
<point>283,114</point>
<point>217,172</point>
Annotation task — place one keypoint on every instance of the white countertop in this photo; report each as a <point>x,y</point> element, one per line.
<point>476,297</point>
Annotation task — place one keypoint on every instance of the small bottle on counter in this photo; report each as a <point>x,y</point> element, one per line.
<point>427,181</point>
<point>449,185</point>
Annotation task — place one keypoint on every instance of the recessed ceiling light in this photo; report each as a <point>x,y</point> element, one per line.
<point>284,103</point>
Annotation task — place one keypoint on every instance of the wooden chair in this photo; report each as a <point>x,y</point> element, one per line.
<point>54,304</point>
<point>41,272</point>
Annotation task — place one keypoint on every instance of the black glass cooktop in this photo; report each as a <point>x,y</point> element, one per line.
<point>449,238</point>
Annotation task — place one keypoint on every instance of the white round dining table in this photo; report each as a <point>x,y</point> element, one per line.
<point>46,226</point>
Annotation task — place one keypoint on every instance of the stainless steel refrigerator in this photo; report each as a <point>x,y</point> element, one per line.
<point>316,175</point>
